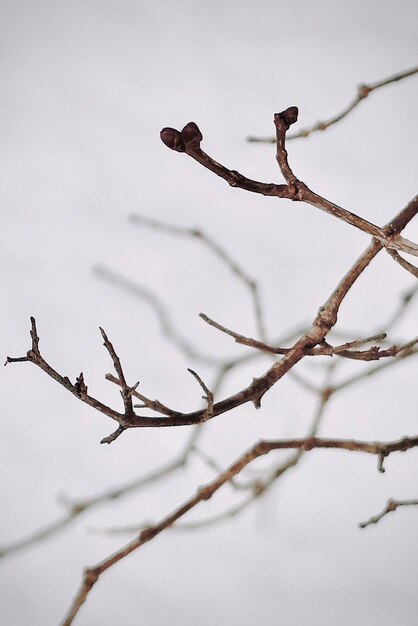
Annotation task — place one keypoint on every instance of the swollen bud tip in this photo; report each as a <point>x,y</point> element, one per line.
<point>172,139</point>
<point>289,116</point>
<point>191,135</point>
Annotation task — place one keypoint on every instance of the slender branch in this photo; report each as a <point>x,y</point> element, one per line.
<point>40,535</point>
<point>361,376</point>
<point>258,486</point>
<point>311,342</point>
<point>92,574</point>
<point>230,513</point>
<point>407,297</point>
<point>80,391</point>
<point>363,91</point>
<point>189,140</point>
<point>219,252</point>
<point>208,397</point>
<point>160,310</point>
<point>78,507</point>
<point>325,349</point>
<point>181,142</point>
<point>126,391</point>
<point>390,507</point>
<point>409,267</point>
<point>321,325</point>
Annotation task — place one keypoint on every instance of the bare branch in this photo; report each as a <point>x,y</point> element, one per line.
<point>114,435</point>
<point>405,301</point>
<point>219,252</point>
<point>126,391</point>
<point>325,349</point>
<point>35,357</point>
<point>361,376</point>
<point>323,322</point>
<point>409,267</point>
<point>189,139</point>
<point>160,310</point>
<point>79,507</point>
<point>390,507</point>
<point>245,341</point>
<point>260,486</point>
<point>363,91</point>
<point>173,139</point>
<point>92,574</point>
<point>312,341</point>
<point>208,397</point>
<point>47,531</point>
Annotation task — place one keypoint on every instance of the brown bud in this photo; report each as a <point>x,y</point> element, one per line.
<point>289,116</point>
<point>191,135</point>
<point>172,139</point>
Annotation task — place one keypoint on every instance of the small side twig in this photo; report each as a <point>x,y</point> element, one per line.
<point>409,267</point>
<point>344,350</point>
<point>126,390</point>
<point>92,574</point>
<point>363,90</point>
<point>79,389</point>
<point>390,507</point>
<point>406,299</point>
<point>160,310</point>
<point>208,397</point>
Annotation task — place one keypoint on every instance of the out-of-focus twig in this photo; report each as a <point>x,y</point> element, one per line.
<point>78,507</point>
<point>312,342</point>
<point>219,252</point>
<point>372,371</point>
<point>409,267</point>
<point>257,486</point>
<point>324,349</point>
<point>390,507</point>
<point>160,310</point>
<point>363,91</point>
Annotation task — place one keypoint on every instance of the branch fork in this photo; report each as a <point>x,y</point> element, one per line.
<point>189,139</point>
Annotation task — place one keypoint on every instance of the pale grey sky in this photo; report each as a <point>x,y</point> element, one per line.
<point>86,88</point>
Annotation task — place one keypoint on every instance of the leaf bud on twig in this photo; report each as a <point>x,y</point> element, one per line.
<point>289,116</point>
<point>172,139</point>
<point>191,135</point>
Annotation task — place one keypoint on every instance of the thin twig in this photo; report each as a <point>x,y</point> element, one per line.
<point>324,349</point>
<point>260,486</point>
<point>409,267</point>
<point>92,574</point>
<point>390,507</point>
<point>321,325</point>
<point>159,309</point>
<point>363,90</point>
<point>219,252</point>
<point>208,397</point>
<point>361,376</point>
<point>81,506</point>
<point>34,356</point>
<point>406,299</point>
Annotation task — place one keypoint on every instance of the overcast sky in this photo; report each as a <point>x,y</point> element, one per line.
<point>86,87</point>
